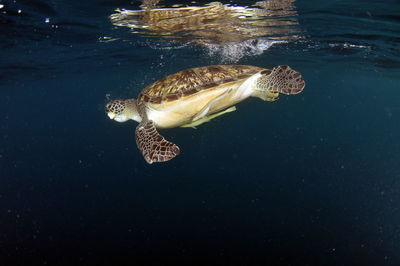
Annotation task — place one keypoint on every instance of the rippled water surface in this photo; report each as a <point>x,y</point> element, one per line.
<point>310,179</point>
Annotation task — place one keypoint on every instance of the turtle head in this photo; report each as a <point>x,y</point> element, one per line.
<point>123,110</point>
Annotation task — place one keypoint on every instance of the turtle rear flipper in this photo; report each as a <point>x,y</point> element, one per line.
<point>206,119</point>
<point>281,79</point>
<point>154,147</point>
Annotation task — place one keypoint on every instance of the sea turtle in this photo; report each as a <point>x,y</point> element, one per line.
<point>194,96</point>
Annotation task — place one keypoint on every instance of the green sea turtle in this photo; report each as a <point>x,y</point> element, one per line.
<point>194,96</point>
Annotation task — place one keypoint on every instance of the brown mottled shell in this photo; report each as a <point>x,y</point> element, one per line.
<point>191,81</point>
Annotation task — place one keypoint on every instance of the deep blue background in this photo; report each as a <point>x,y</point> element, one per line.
<point>311,179</point>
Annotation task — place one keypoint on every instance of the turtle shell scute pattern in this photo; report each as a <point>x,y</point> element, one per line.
<point>191,81</point>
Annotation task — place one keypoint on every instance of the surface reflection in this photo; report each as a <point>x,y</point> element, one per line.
<point>222,28</point>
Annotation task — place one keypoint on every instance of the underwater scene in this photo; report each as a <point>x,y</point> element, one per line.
<point>162,132</point>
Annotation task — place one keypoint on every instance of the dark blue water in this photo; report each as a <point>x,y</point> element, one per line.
<point>311,179</point>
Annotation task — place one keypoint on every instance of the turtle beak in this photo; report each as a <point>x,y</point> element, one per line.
<point>111,115</point>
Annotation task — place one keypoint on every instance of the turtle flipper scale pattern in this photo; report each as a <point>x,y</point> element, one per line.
<point>280,79</point>
<point>154,147</point>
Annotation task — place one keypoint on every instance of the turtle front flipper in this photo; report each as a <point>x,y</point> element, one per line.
<point>281,79</point>
<point>154,147</point>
